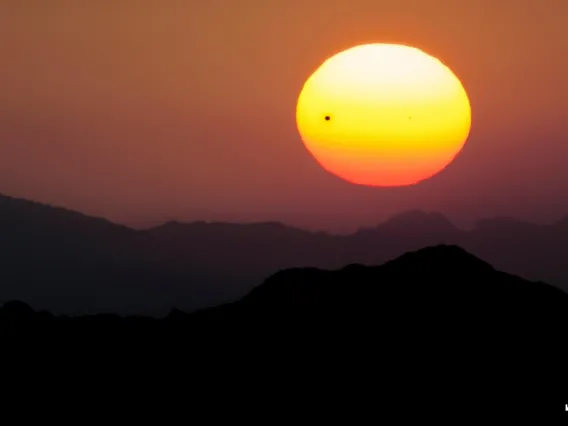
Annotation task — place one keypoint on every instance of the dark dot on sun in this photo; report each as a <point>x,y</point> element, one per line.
<point>327,118</point>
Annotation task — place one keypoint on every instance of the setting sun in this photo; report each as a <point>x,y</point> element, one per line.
<point>383,115</point>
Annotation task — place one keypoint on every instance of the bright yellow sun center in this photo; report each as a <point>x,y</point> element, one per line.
<point>383,115</point>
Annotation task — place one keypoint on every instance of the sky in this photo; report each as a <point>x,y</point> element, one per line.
<point>143,111</point>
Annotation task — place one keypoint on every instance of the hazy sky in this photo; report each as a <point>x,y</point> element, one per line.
<point>143,111</point>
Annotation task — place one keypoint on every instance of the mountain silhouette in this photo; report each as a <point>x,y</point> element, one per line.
<point>443,281</point>
<point>439,291</point>
<point>68,263</point>
<point>435,317</point>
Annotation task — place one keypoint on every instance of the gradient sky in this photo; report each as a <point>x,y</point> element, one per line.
<point>143,111</point>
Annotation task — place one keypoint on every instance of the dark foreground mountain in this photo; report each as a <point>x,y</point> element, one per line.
<point>65,262</point>
<point>441,288</point>
<point>436,333</point>
<point>436,288</point>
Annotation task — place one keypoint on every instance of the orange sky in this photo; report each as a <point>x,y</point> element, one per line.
<point>142,111</point>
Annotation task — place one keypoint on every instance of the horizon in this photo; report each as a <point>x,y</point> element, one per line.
<point>157,224</point>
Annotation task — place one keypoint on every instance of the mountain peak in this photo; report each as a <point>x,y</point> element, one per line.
<point>431,284</point>
<point>445,257</point>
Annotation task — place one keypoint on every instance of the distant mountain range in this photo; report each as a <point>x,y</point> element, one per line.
<point>67,262</point>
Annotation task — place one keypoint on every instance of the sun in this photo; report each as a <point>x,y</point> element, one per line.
<point>383,115</point>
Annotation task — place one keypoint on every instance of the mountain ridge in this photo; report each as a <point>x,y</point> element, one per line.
<point>436,315</point>
<point>58,259</point>
<point>420,277</point>
<point>405,214</point>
